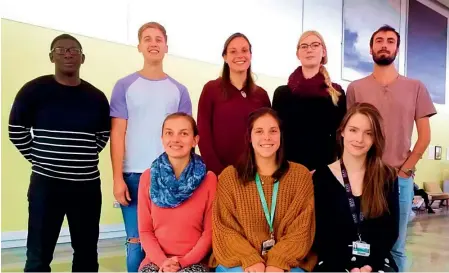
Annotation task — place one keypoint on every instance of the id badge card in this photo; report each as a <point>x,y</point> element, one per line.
<point>267,245</point>
<point>360,248</point>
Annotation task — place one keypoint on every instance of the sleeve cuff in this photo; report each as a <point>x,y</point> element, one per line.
<point>277,261</point>
<point>251,260</point>
<point>183,262</point>
<point>118,115</point>
<point>159,260</point>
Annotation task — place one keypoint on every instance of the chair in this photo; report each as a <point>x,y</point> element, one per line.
<point>435,192</point>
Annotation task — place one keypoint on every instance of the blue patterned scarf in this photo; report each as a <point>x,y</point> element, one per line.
<point>168,192</point>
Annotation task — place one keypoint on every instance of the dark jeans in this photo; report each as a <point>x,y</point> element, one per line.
<point>49,200</point>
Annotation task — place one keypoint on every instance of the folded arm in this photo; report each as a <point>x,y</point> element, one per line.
<point>350,96</point>
<point>423,141</point>
<point>104,127</point>
<point>296,243</point>
<point>206,145</point>
<point>204,244</point>
<point>423,111</point>
<point>150,243</point>
<point>390,230</point>
<point>228,240</point>
<point>21,121</point>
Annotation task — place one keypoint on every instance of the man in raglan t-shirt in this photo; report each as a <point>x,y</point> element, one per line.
<point>139,104</point>
<point>402,102</point>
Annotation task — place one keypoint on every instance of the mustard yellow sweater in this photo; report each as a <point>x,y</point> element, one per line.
<point>239,225</point>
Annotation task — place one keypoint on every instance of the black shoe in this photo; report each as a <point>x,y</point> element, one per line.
<point>430,210</point>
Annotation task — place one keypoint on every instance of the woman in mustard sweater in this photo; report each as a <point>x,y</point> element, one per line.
<point>263,214</point>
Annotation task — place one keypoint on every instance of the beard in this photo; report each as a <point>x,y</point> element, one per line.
<point>383,60</point>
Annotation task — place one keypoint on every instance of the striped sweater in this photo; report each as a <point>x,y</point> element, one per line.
<point>60,129</point>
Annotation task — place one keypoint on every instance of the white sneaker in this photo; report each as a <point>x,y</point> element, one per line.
<point>420,203</point>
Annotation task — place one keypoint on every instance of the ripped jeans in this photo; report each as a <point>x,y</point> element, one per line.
<point>134,251</point>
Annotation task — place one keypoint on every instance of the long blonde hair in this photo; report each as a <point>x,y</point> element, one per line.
<point>334,93</point>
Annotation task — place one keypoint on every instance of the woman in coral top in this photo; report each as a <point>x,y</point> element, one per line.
<point>175,202</point>
<point>263,214</point>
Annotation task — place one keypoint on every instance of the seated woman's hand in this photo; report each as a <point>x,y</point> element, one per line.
<point>259,267</point>
<point>170,265</point>
<point>366,268</point>
<point>174,259</point>
<point>273,269</point>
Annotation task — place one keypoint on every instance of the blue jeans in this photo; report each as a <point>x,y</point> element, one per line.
<point>405,207</point>
<point>134,251</point>
<point>221,268</point>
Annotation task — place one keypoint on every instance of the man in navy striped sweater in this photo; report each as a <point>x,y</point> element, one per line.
<point>60,123</point>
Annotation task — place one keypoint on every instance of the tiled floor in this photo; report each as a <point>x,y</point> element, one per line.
<point>111,257</point>
<point>427,248</point>
<point>428,242</point>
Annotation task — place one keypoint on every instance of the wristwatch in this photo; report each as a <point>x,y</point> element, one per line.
<point>409,172</point>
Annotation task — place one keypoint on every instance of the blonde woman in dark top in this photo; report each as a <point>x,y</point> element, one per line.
<point>311,99</point>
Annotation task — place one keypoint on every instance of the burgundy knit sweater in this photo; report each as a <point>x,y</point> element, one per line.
<point>222,122</point>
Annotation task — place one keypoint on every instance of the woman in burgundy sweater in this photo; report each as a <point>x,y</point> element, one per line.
<point>311,107</point>
<point>225,104</point>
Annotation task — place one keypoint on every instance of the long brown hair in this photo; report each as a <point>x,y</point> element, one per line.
<point>378,175</point>
<point>247,167</point>
<point>334,93</point>
<point>225,74</point>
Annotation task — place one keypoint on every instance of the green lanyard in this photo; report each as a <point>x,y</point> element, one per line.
<point>268,216</point>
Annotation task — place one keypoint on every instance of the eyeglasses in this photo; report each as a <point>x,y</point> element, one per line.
<point>63,50</point>
<point>312,46</point>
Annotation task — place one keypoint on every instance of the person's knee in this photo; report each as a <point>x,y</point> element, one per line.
<point>134,245</point>
<point>133,240</point>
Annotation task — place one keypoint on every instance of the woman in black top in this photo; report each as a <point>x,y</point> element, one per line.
<point>310,102</point>
<point>359,237</point>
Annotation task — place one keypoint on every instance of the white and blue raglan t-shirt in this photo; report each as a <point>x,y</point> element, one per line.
<point>145,103</point>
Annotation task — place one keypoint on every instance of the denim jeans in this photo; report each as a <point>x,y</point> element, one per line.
<point>221,268</point>
<point>49,200</point>
<point>405,208</point>
<point>134,251</point>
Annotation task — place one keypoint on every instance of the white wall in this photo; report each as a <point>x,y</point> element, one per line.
<point>326,17</point>
<point>84,17</point>
<point>197,29</point>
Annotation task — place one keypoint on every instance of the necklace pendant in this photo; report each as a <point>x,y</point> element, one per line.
<point>243,93</point>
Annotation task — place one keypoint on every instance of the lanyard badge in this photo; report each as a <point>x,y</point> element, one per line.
<point>359,247</point>
<point>268,244</point>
